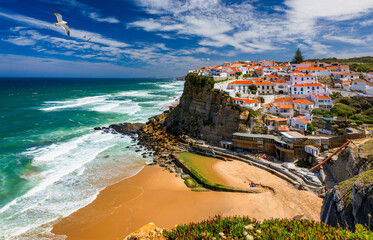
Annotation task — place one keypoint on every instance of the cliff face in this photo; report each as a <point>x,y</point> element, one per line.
<point>356,158</point>
<point>205,112</point>
<point>350,202</point>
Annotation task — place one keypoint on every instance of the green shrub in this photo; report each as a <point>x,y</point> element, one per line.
<point>342,110</point>
<point>240,227</point>
<point>197,80</point>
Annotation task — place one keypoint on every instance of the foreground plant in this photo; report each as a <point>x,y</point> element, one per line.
<point>246,228</point>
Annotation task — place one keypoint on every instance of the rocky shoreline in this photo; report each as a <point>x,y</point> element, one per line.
<point>153,138</point>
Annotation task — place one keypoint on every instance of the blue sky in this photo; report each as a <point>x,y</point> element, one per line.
<point>162,38</point>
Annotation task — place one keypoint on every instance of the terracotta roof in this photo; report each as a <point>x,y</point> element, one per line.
<point>280,81</point>
<point>284,99</point>
<point>264,83</point>
<point>272,76</point>
<point>245,100</point>
<point>302,101</point>
<point>323,97</point>
<point>359,80</point>
<point>286,106</point>
<point>283,129</point>
<point>267,105</point>
<point>277,119</point>
<point>303,120</point>
<point>242,82</point>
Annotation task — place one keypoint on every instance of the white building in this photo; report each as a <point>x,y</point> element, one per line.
<point>300,78</point>
<point>249,103</point>
<point>321,101</point>
<point>299,123</point>
<point>265,87</point>
<point>307,89</point>
<point>303,106</point>
<point>359,85</point>
<point>281,87</point>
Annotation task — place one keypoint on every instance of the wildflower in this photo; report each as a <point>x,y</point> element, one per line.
<point>221,234</point>
<point>176,226</point>
<point>249,237</point>
<point>249,227</point>
<point>258,231</point>
<point>245,233</point>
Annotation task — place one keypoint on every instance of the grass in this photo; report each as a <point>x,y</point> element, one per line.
<point>246,228</point>
<point>200,168</point>
<point>190,182</point>
<point>203,165</point>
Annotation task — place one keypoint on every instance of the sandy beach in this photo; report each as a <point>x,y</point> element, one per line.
<point>155,195</point>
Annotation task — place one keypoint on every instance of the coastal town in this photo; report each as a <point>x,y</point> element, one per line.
<point>289,102</point>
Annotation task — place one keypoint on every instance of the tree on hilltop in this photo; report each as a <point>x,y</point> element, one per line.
<point>298,57</point>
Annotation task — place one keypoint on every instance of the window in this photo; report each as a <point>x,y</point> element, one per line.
<point>318,87</point>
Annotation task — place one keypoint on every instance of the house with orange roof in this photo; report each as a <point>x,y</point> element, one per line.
<point>300,122</point>
<point>249,103</point>
<point>267,63</point>
<point>316,71</point>
<point>322,101</point>
<point>281,87</point>
<point>277,123</point>
<point>359,85</point>
<point>300,65</point>
<point>306,89</point>
<point>265,87</point>
<point>346,85</point>
<point>239,86</point>
<point>283,110</point>
<point>271,77</point>
<point>303,106</point>
<point>300,78</point>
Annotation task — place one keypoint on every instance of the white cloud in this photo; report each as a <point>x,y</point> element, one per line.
<point>86,10</point>
<point>345,39</point>
<point>95,16</point>
<point>75,33</point>
<point>20,41</point>
<point>366,23</point>
<point>246,29</point>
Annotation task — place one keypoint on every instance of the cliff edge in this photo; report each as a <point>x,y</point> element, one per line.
<point>205,112</point>
<point>350,202</point>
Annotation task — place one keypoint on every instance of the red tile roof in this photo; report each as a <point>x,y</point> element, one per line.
<point>302,101</point>
<point>303,120</point>
<point>242,82</point>
<point>284,99</point>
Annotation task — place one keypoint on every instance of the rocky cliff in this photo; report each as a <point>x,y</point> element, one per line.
<point>350,202</point>
<point>205,112</point>
<point>357,157</point>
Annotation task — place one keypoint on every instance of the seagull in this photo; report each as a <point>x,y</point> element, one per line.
<point>89,39</point>
<point>61,23</point>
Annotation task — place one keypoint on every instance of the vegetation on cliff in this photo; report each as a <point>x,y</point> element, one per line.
<point>357,64</point>
<point>246,228</point>
<point>357,109</point>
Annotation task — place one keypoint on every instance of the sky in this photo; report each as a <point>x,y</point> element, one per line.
<point>166,38</point>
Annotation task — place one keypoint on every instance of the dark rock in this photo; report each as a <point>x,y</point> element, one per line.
<point>350,202</point>
<point>126,128</point>
<point>97,128</point>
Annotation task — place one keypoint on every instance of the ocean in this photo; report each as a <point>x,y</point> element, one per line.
<point>52,162</point>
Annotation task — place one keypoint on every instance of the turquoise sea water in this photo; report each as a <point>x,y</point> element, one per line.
<point>51,161</point>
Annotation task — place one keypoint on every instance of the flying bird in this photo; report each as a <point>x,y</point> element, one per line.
<point>89,39</point>
<point>61,23</point>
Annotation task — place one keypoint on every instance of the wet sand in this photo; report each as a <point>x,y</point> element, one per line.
<point>155,195</point>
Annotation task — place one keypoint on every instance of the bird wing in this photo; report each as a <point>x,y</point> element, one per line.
<point>89,39</point>
<point>59,16</point>
<point>66,29</point>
